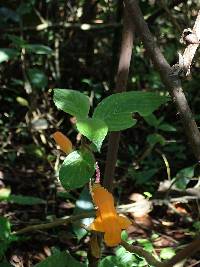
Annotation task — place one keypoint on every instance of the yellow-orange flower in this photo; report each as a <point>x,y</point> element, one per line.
<point>63,142</point>
<point>107,220</point>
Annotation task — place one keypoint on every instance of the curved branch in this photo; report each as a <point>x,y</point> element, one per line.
<point>172,82</point>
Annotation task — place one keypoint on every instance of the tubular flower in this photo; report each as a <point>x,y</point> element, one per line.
<point>63,141</point>
<point>107,220</point>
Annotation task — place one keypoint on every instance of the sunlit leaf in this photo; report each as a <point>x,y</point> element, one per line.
<point>167,253</point>
<point>77,169</point>
<point>116,110</point>
<point>22,101</point>
<point>4,193</point>
<point>94,129</point>
<point>7,54</point>
<point>72,102</point>
<point>38,49</point>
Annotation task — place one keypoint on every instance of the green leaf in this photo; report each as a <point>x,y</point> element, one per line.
<point>38,49</point>
<point>16,40</point>
<point>4,228</point>
<point>167,127</point>
<point>142,177</point>
<point>22,101</point>
<point>8,14</point>
<point>4,193</point>
<point>25,200</point>
<point>111,261</point>
<point>155,138</point>
<point>148,246</point>
<point>7,54</point>
<point>167,253</point>
<point>152,120</point>
<point>72,102</point>
<point>77,169</point>
<point>5,232</point>
<point>60,259</point>
<point>116,110</point>
<point>37,78</point>
<point>94,129</point>
<point>183,177</point>
<point>83,204</point>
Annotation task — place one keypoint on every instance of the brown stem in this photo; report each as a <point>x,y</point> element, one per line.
<point>121,82</point>
<point>191,48</point>
<point>113,143</point>
<point>172,83</point>
<point>58,222</point>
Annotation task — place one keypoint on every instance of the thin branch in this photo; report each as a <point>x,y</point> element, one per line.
<point>172,82</point>
<point>56,223</point>
<point>121,82</point>
<point>67,25</point>
<point>190,50</point>
<point>186,252</point>
<point>142,253</point>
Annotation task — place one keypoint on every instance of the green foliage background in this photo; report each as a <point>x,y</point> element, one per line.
<point>75,45</point>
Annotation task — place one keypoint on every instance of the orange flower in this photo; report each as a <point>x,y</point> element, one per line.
<point>107,220</point>
<point>63,141</point>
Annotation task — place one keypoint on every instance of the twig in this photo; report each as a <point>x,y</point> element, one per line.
<point>58,222</point>
<point>68,25</point>
<point>172,82</point>
<point>142,253</point>
<point>190,50</point>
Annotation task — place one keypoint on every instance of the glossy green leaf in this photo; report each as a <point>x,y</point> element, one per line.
<point>77,169</point>
<point>72,102</point>
<point>167,127</point>
<point>7,54</point>
<point>94,129</point>
<point>38,49</point>
<point>60,259</point>
<point>116,110</point>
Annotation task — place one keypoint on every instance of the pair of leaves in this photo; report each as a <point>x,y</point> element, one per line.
<point>114,113</point>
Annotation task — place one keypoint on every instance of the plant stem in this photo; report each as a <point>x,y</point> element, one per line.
<point>58,222</point>
<point>121,82</point>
